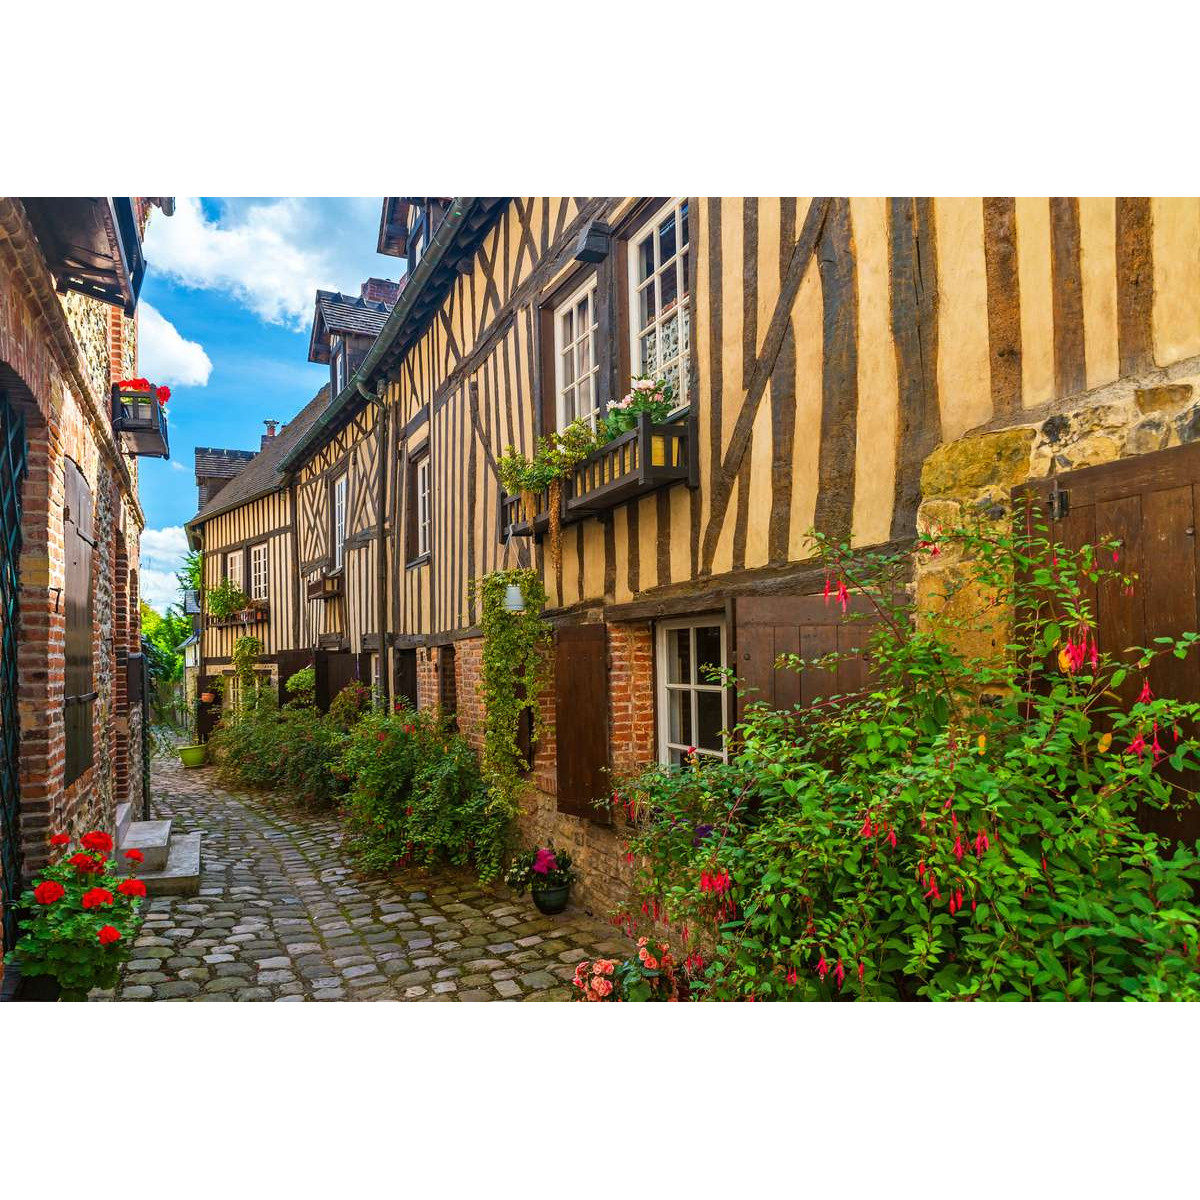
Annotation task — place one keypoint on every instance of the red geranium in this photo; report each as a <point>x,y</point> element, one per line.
<point>48,892</point>
<point>84,863</point>
<point>134,855</point>
<point>96,897</point>
<point>107,934</point>
<point>59,839</point>
<point>163,394</point>
<point>131,887</point>
<point>96,840</point>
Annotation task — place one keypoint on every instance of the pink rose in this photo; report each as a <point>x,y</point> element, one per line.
<point>602,987</point>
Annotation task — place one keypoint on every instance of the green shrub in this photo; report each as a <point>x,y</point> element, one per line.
<point>348,706</point>
<point>225,599</point>
<point>963,828</point>
<point>302,687</point>
<point>416,797</point>
<point>289,751</point>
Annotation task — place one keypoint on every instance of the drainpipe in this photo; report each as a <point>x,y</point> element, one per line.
<point>385,672</point>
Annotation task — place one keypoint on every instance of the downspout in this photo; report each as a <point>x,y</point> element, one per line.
<point>381,562</point>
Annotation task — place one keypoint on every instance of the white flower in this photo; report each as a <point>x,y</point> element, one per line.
<point>643,385</point>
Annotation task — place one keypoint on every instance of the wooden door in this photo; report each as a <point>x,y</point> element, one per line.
<point>581,719</point>
<point>767,626</point>
<point>1150,504</point>
<point>336,669</point>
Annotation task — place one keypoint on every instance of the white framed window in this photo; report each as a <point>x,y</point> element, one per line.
<point>658,282</point>
<point>339,366</point>
<point>339,521</point>
<point>576,369</point>
<point>424,508</point>
<point>233,567</point>
<point>693,709</point>
<point>258,571</point>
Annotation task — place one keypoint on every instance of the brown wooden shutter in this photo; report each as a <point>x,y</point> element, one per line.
<point>79,698</point>
<point>1151,504</point>
<point>410,509</point>
<point>768,626</point>
<point>546,376</point>
<point>581,719</point>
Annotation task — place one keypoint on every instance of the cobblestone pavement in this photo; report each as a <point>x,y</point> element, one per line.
<point>281,915</point>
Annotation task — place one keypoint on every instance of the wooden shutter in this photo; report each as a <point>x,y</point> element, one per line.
<point>79,699</point>
<point>410,510</point>
<point>768,626</point>
<point>581,719</point>
<point>1151,504</point>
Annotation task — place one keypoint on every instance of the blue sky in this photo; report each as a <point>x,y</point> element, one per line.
<point>225,316</point>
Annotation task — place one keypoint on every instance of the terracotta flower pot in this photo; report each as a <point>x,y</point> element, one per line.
<point>207,697</point>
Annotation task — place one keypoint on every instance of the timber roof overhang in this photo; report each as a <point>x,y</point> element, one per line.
<point>262,476</point>
<point>338,313</point>
<point>451,251</point>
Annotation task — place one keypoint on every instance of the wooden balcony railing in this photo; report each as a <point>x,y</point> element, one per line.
<point>253,614</point>
<point>640,461</point>
<point>142,421</point>
<point>326,588</point>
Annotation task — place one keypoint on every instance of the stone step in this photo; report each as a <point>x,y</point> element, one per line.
<point>181,876</point>
<point>152,839</point>
<point>124,820</point>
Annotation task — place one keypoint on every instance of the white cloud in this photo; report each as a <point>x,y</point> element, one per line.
<point>162,552</point>
<point>270,255</point>
<point>165,355</point>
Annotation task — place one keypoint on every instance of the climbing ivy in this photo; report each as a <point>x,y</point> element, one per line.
<point>245,651</point>
<point>513,675</point>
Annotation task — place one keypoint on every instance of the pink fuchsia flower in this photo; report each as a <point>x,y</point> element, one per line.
<point>1137,746</point>
<point>933,889</point>
<point>981,843</point>
<point>544,861</point>
<point>843,595</point>
<point>1145,695</point>
<point>867,829</point>
<point>958,848</point>
<point>862,970</point>
<point>839,973</point>
<point>792,977</point>
<point>892,837</point>
<point>822,967</point>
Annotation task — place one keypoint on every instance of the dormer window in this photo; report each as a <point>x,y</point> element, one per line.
<point>337,351</point>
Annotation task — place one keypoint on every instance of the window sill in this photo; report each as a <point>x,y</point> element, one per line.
<point>419,561</point>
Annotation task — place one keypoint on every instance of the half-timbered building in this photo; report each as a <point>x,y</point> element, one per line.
<point>860,367</point>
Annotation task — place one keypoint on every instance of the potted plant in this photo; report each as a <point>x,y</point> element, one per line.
<point>655,397</point>
<point>213,691</point>
<point>76,922</point>
<point>193,754</point>
<point>226,599</point>
<point>557,455</point>
<point>545,872</point>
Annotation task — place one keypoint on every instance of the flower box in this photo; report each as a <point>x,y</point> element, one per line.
<point>141,420</point>
<point>517,521</point>
<point>326,588</point>
<point>253,614</point>
<point>646,458</point>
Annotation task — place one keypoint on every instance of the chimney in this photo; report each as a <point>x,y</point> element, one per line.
<point>375,290</point>
<point>266,437</point>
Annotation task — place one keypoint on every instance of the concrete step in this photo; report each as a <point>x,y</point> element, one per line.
<point>181,876</point>
<point>152,839</point>
<point>124,820</point>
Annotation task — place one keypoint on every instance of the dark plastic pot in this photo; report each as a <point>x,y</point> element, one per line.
<point>38,987</point>
<point>551,901</point>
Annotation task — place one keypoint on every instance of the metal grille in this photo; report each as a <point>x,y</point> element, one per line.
<point>12,469</point>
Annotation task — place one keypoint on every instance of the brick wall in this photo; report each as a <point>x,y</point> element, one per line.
<point>597,851</point>
<point>427,677</point>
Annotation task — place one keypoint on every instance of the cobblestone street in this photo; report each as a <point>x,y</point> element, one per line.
<point>281,915</point>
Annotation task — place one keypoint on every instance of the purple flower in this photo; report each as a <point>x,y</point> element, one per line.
<point>544,861</point>
<point>701,834</point>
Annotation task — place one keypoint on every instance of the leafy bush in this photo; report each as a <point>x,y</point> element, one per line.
<point>348,706</point>
<point>225,599</point>
<point>289,751</point>
<point>966,827</point>
<point>415,795</point>
<point>302,687</point>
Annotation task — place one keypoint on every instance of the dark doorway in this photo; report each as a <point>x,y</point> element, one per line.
<point>336,669</point>
<point>406,676</point>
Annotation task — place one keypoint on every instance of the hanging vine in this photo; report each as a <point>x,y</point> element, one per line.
<point>513,675</point>
<point>245,651</point>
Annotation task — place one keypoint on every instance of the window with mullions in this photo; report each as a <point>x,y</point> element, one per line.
<point>258,572</point>
<point>576,371</point>
<point>692,702</point>
<point>233,567</point>
<point>658,281</point>
<point>339,522</point>
<point>424,507</point>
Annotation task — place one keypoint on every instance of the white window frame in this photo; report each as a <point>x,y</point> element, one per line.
<point>235,559</point>
<point>587,289</point>
<point>424,507</point>
<point>259,562</point>
<point>340,492</point>
<point>339,365</point>
<point>664,628</point>
<point>680,307</point>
